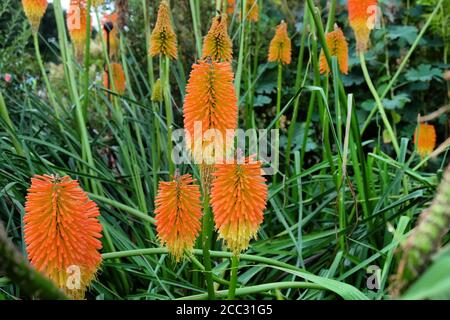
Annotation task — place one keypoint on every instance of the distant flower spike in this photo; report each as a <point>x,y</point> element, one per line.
<point>62,233</point>
<point>280,46</point>
<point>362,15</point>
<point>238,199</point>
<point>425,139</point>
<point>76,24</point>
<point>157,93</point>
<point>163,40</point>
<point>217,43</point>
<point>337,44</point>
<point>210,102</point>
<point>178,213</point>
<point>34,10</point>
<point>118,82</point>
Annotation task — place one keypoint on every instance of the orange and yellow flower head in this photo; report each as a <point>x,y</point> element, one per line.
<point>362,15</point>
<point>425,139</point>
<point>252,10</point>
<point>110,21</point>
<point>217,43</point>
<point>34,10</point>
<point>210,108</point>
<point>280,45</point>
<point>163,40</point>
<point>178,214</point>
<point>238,200</point>
<point>116,81</point>
<point>337,44</point>
<point>62,233</point>
<point>77,26</point>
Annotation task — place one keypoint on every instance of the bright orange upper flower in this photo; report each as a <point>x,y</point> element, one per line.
<point>163,40</point>
<point>34,10</point>
<point>230,6</point>
<point>62,233</point>
<point>210,103</point>
<point>280,46</point>
<point>362,15</point>
<point>337,44</point>
<point>238,199</point>
<point>425,139</point>
<point>117,78</point>
<point>252,10</point>
<point>110,21</point>
<point>217,43</point>
<point>178,213</point>
<point>76,24</point>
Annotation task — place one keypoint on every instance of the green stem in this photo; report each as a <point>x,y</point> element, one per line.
<point>50,92</point>
<point>249,112</point>
<point>87,61</point>
<point>196,22</point>
<point>278,123</point>
<point>211,253</point>
<point>199,265</point>
<point>135,212</point>
<point>233,277</point>
<point>279,84</point>
<point>378,103</point>
<point>165,65</point>
<point>206,244</point>
<point>298,84</point>
<point>331,14</point>
<point>237,81</point>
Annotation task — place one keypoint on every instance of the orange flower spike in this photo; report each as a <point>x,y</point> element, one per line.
<point>337,44</point>
<point>362,20</point>
<point>34,10</point>
<point>76,24</point>
<point>280,46</point>
<point>210,99</point>
<point>117,80</point>
<point>425,139</point>
<point>62,233</point>
<point>252,10</point>
<point>238,200</point>
<point>178,213</point>
<point>163,39</point>
<point>217,43</point>
<point>111,21</point>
